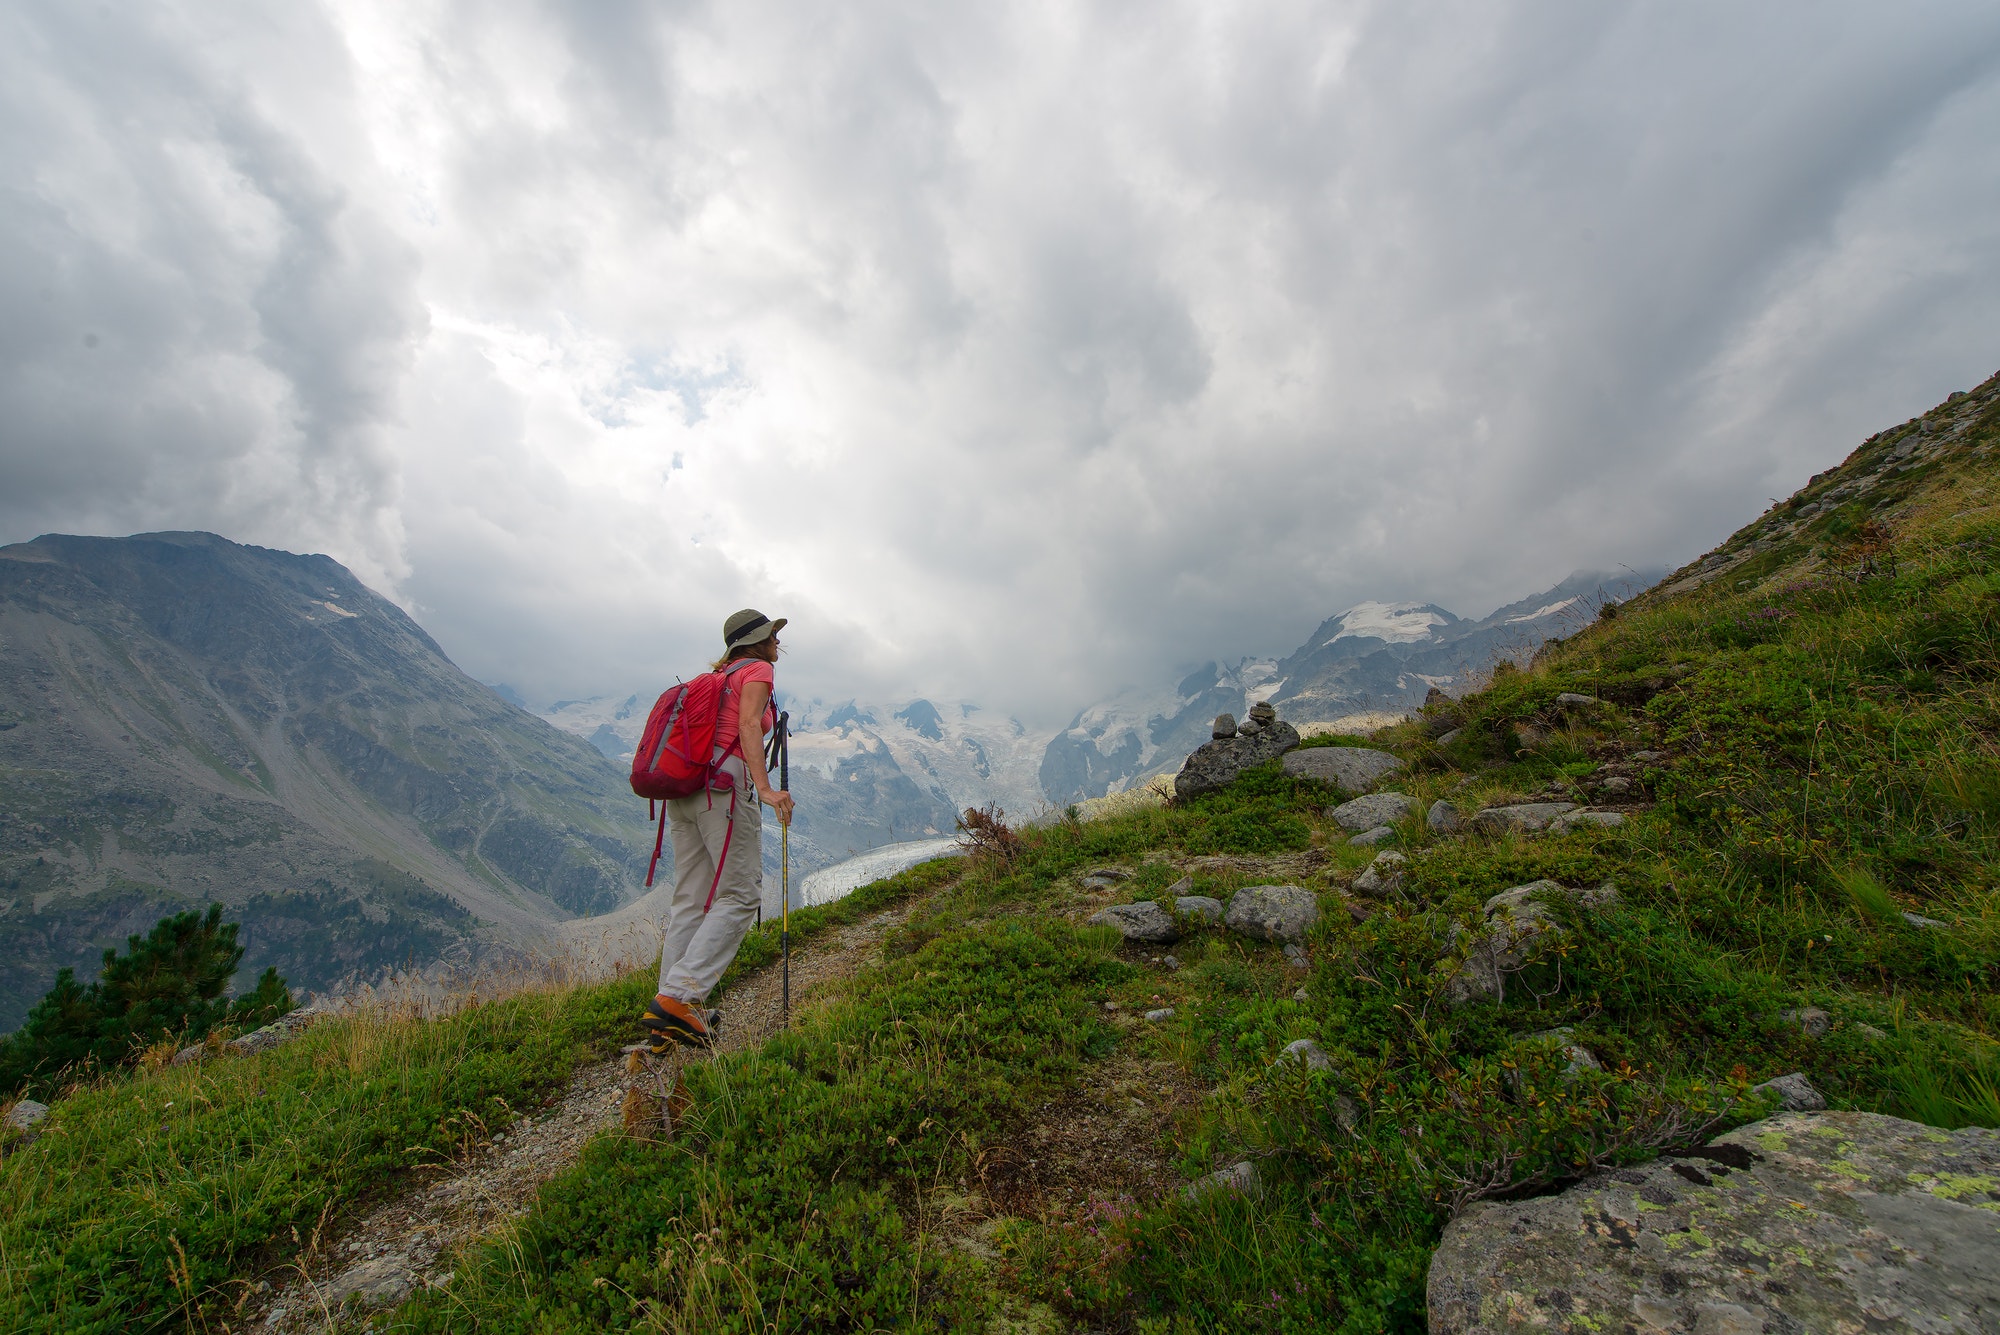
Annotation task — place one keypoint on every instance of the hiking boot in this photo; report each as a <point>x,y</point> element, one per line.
<point>672,1019</point>
<point>658,1043</point>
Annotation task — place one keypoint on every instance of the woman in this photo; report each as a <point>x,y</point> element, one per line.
<point>723,827</point>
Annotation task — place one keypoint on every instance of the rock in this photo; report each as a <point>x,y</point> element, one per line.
<point>1164,1013</point>
<point>1575,700</point>
<point>1307,1053</point>
<point>1381,834</point>
<point>1383,877</point>
<point>1272,912</point>
<point>1517,925</point>
<point>1239,1178</point>
<point>26,1115</point>
<point>1217,764</point>
<point>382,1282</point>
<point>1443,818</point>
<point>1617,783</point>
<point>1101,878</point>
<point>1812,1019</point>
<point>1836,1222</point>
<point>1366,813</point>
<point>1299,995</point>
<point>1224,729</point>
<point>1359,912</point>
<point>1448,738</point>
<point>1477,979</point>
<point>1184,886</point>
<point>281,1030</point>
<point>1199,906</point>
<point>1795,1093</point>
<point>1919,920</point>
<point>1145,922</point>
<point>195,1052</point>
<point>1647,757</point>
<point>1263,713</point>
<point>1577,820</point>
<point>1351,769</point>
<point>1528,817</point>
<point>1869,1032</point>
<point>1249,728</point>
<point>1295,956</point>
<point>1172,962</point>
<point>1580,1057</point>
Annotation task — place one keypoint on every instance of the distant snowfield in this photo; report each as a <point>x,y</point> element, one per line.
<point>1398,623</point>
<point>843,878</point>
<point>1541,612</point>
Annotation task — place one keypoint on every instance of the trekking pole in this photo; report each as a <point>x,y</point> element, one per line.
<point>784,742</point>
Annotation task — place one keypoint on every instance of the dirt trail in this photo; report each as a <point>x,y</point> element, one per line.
<point>405,1243</point>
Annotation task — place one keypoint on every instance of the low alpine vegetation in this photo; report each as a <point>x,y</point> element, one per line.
<point>164,991</point>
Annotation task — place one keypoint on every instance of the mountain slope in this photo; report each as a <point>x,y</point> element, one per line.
<point>183,719</point>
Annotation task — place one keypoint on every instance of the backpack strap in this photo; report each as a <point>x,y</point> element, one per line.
<point>658,840</point>
<point>735,747</point>
<point>728,833</point>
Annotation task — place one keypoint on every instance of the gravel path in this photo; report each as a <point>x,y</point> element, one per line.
<point>407,1241</point>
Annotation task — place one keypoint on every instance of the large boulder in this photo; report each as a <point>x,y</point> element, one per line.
<point>1198,906</point>
<point>1353,769</point>
<point>1145,922</point>
<point>1273,912</point>
<point>1526,817</point>
<point>1803,1223</point>
<point>1367,813</point>
<point>1217,763</point>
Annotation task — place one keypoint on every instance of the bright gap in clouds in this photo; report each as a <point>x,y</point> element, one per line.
<point>1016,353</point>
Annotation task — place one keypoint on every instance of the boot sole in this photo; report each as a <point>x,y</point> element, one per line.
<point>679,1031</point>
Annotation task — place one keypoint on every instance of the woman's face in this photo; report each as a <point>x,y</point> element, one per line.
<point>771,648</point>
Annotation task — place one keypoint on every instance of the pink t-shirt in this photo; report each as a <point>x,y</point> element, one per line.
<point>726,728</point>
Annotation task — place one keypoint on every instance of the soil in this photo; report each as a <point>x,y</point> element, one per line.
<point>407,1241</point>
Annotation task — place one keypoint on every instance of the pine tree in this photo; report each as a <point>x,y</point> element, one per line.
<point>167,984</point>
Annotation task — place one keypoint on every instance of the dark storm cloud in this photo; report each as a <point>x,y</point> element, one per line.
<point>201,330</point>
<point>1015,352</point>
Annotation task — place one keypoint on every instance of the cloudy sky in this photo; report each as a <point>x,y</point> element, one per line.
<point>1016,352</point>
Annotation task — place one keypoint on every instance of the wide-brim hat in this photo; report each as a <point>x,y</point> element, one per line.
<point>749,627</point>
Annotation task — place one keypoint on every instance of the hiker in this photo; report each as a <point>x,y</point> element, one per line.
<point>720,827</point>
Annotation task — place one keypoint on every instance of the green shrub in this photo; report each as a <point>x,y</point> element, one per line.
<point>167,985</point>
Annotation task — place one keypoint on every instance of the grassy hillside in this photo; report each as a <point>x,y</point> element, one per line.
<point>973,1138</point>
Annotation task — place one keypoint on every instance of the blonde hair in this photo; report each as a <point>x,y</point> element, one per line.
<point>744,651</point>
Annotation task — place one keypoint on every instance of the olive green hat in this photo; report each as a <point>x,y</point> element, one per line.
<point>749,627</point>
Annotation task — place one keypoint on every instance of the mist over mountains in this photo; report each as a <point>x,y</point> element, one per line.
<point>868,774</point>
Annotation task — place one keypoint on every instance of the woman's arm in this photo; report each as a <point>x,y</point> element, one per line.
<point>750,731</point>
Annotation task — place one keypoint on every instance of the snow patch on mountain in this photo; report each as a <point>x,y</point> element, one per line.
<point>1541,612</point>
<point>1397,623</point>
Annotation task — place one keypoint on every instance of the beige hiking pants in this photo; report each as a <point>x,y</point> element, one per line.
<point>698,945</point>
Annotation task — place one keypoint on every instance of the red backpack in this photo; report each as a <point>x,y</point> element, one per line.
<point>676,754</point>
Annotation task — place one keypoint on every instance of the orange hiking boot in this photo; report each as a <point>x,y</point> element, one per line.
<point>673,1019</point>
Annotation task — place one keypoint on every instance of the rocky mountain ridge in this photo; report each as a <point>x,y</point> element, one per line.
<point>184,719</point>
<point>1368,665</point>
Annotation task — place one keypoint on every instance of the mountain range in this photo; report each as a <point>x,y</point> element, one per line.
<point>184,719</point>
<point>868,774</point>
